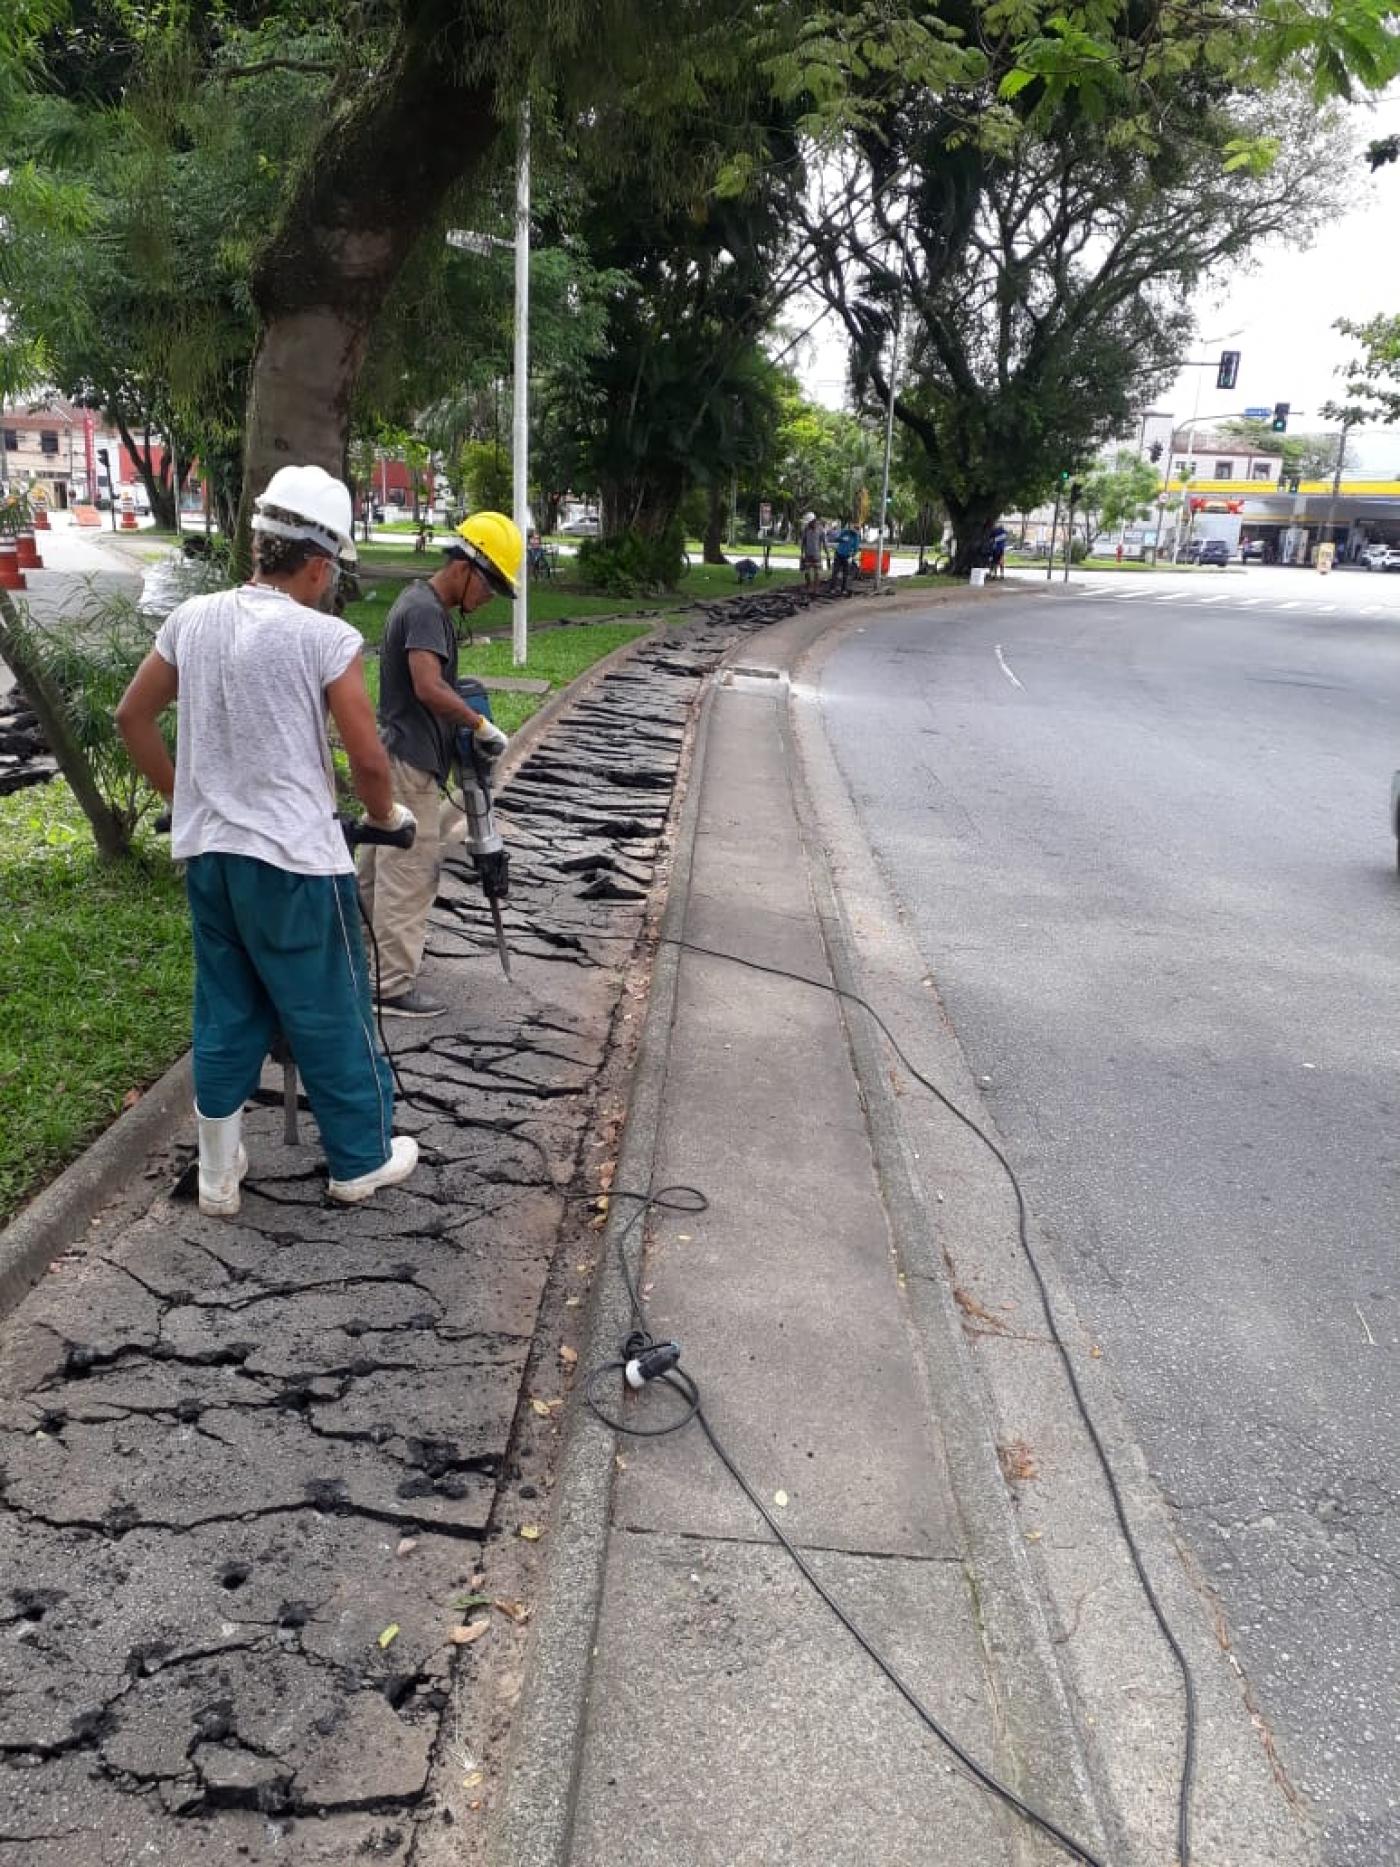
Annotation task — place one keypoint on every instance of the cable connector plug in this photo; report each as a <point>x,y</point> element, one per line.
<point>658,1359</point>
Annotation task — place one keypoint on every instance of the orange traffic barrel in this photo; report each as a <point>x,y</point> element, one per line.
<point>11,576</point>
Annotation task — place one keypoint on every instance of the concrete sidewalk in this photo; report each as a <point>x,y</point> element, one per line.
<point>716,1714</point>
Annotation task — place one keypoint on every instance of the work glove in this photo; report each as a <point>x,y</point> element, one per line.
<point>489,740</point>
<point>398,818</point>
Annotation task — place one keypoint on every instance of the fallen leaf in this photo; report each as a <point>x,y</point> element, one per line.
<point>1017,1462</point>
<point>476,1778</point>
<point>619,1461</point>
<point>541,1407</point>
<point>572,1302</point>
<point>683,1238</point>
<point>464,1603</point>
<point>569,1356</point>
<point>478,1578</point>
<point>780,1498</point>
<point>1034,1536</point>
<point>531,1532</point>
<point>584,1267</point>
<point>607,1172</point>
<point>515,1611</point>
<point>407,1545</point>
<point>1096,1353</point>
<point>131,1098</point>
<point>390,1634</point>
<point>463,1636</point>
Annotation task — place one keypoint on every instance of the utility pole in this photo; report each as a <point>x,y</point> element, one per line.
<point>889,445</point>
<point>1054,527</point>
<point>1348,423</point>
<point>521,436</point>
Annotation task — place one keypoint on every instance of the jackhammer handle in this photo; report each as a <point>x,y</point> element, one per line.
<point>361,832</point>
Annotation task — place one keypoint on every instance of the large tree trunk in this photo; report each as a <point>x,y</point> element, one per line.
<point>368,193</point>
<point>972,524</point>
<point>715,516</point>
<point>46,702</point>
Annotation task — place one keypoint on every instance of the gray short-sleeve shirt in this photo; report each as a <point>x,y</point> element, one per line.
<point>419,619</point>
<point>253,768</point>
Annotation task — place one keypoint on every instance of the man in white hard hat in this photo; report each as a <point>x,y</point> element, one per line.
<point>420,712</point>
<point>271,885</point>
<point>810,550</point>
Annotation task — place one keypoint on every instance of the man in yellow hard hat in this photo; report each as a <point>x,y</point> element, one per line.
<point>420,713</point>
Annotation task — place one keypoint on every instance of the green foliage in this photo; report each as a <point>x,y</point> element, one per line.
<point>484,474</point>
<point>633,563</point>
<point>1117,494</point>
<point>90,656</point>
<point>96,976</point>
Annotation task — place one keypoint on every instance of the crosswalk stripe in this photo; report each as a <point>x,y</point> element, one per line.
<point>1216,600</point>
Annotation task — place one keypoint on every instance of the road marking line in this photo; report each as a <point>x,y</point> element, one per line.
<point>1001,662</point>
<point>1291,605</point>
<point>1217,599</point>
<point>1325,609</point>
<point>1374,609</point>
<point>1173,596</point>
<point>1252,602</point>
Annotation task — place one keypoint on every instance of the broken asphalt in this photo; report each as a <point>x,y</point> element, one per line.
<point>313,1551</point>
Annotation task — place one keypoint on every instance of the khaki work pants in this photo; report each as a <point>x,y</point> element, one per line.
<point>398,886</point>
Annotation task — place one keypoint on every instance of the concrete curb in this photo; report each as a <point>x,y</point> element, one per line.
<point>57,1217</point>
<point>1040,1743</point>
<point>533,1825</point>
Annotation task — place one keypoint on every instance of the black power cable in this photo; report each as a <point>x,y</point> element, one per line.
<point>690,1199</point>
<point>666,1200</point>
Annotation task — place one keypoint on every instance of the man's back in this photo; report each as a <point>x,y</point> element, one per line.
<point>252,775</point>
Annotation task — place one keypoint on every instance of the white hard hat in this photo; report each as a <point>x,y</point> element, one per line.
<point>307,503</point>
<point>807,517</point>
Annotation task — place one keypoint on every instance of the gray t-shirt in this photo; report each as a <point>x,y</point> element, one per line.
<point>253,768</point>
<point>419,619</point>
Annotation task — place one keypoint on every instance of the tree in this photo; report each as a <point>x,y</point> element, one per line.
<point>1038,191</point>
<point>1116,494</point>
<point>1308,456</point>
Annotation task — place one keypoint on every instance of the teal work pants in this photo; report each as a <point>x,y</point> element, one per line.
<point>274,951</point>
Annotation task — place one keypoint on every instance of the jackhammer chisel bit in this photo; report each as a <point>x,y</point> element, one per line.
<point>483,840</point>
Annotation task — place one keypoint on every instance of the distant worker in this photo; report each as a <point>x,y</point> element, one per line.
<point>844,547</point>
<point>277,936</point>
<point>810,550</point>
<point>420,712</point>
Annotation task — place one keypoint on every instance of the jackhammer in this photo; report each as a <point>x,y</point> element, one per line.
<point>483,839</point>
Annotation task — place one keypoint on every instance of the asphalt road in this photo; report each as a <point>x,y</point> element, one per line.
<point>1142,835</point>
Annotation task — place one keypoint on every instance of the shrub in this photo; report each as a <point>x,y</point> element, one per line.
<point>633,564</point>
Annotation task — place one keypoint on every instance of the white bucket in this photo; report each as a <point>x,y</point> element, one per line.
<point>979,577</point>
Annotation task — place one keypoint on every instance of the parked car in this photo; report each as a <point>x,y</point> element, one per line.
<point>584,527</point>
<point>1208,551</point>
<point>1381,557</point>
<point>1252,551</point>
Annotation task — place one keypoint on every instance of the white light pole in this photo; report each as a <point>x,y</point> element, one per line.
<point>521,453</point>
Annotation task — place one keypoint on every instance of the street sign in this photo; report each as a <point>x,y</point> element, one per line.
<point>1258,414</point>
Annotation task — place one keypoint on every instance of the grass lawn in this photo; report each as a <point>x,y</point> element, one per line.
<point>558,657</point>
<point>554,598</point>
<point>96,977</point>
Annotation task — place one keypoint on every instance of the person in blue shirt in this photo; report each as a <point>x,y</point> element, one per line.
<point>843,554</point>
<point>998,551</point>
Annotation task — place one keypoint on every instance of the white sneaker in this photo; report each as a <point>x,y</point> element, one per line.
<point>403,1158</point>
<point>223,1161</point>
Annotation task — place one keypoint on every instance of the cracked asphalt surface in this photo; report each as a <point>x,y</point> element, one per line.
<point>234,1454</point>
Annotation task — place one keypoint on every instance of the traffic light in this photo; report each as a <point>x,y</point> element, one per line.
<point>1229,372</point>
<point>1154,453</point>
<point>1064,479</point>
<point>1279,424</point>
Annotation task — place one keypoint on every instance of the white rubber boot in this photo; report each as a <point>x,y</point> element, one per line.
<point>403,1158</point>
<point>222,1165</point>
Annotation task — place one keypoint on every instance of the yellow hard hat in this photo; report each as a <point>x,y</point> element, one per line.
<point>494,544</point>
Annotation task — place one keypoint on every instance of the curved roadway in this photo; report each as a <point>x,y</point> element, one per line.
<point>1142,833</point>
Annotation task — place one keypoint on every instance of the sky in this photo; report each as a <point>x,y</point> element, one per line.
<point>1278,313</point>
